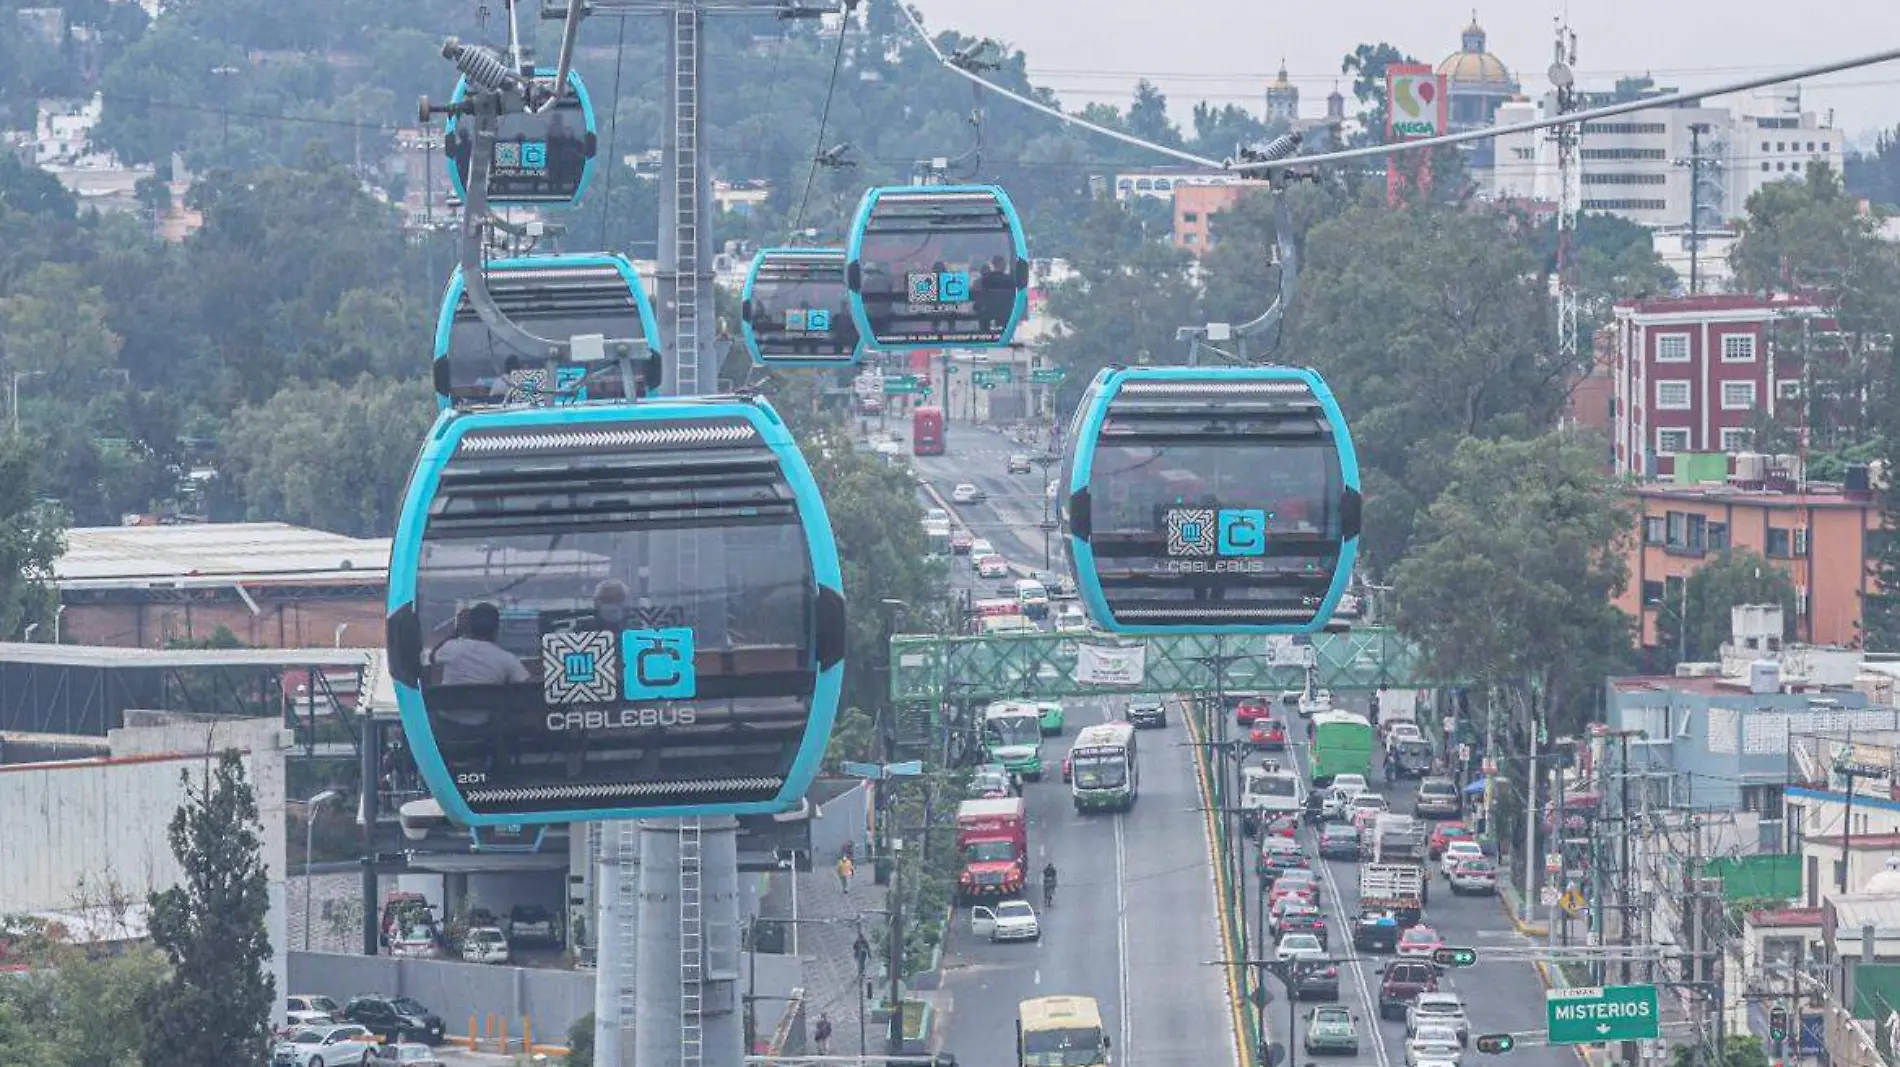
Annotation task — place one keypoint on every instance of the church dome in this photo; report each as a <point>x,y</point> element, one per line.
<point>1887,882</point>
<point>1473,67</point>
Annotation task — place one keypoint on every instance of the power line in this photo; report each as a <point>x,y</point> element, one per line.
<point>613,126</point>
<point>824,119</point>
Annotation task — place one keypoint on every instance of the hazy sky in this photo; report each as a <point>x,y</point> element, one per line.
<point>1225,51</point>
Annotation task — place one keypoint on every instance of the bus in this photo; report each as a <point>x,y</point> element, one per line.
<point>1104,772</point>
<point>1060,1031</point>
<point>1012,736</point>
<point>1342,744</point>
<point>926,432</point>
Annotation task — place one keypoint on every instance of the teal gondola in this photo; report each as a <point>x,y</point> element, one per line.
<point>795,310</point>
<point>541,160</point>
<point>614,612</point>
<point>1217,500</point>
<point>930,266</point>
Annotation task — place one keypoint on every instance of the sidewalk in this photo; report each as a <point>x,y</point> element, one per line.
<point>831,973</point>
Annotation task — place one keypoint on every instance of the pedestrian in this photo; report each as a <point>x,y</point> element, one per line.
<point>821,1034</point>
<point>850,851</point>
<point>845,870</point>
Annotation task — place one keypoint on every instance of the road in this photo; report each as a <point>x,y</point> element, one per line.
<point>1499,995</point>
<point>1012,515</point>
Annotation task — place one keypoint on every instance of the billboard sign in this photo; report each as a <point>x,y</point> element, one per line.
<point>1416,104</point>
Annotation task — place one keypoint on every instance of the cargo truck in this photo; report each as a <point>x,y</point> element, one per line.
<point>1399,888</point>
<point>1394,838</point>
<point>993,845</point>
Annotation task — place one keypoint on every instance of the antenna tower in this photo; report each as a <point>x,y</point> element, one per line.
<point>1569,189</point>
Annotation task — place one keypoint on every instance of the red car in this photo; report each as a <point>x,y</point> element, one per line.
<point>1419,943</point>
<point>1447,832</point>
<point>1306,891</point>
<point>960,542</point>
<point>1286,826</point>
<point>1268,734</point>
<point>1248,710</point>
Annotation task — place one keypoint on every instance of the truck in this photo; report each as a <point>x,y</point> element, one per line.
<point>993,848</point>
<point>1394,838</point>
<point>926,432</point>
<point>1400,888</point>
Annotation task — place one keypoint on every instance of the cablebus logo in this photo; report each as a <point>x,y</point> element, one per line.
<point>660,663</point>
<point>1207,533</point>
<point>808,320</point>
<point>522,157</point>
<point>940,287</point>
<point>583,667</point>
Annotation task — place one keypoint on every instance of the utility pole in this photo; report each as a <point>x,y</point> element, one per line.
<point>1568,138</point>
<point>1699,166</point>
<point>1845,767</point>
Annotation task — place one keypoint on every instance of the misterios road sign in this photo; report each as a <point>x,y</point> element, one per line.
<point>1605,1013</point>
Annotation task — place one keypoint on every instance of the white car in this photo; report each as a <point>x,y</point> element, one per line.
<point>1299,946</point>
<point>1010,920</point>
<point>410,1054</point>
<point>310,1010</point>
<point>485,944</point>
<point>1359,802</point>
<point>965,493</point>
<point>1457,851</point>
<point>1433,1043</point>
<point>1438,1009</point>
<point>1402,731</point>
<point>992,566</point>
<point>936,517</point>
<point>1350,785</point>
<point>1071,619</point>
<point>979,548</point>
<point>325,1046</point>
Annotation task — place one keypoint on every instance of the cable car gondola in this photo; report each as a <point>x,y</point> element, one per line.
<point>1222,500</point>
<point>795,310</point>
<point>614,612</point>
<point>543,160</point>
<point>936,265</point>
<point>554,297</point>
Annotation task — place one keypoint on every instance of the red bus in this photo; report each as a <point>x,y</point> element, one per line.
<point>926,431</point>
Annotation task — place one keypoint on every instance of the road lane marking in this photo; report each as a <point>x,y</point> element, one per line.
<point>1121,939</point>
<point>1223,934</point>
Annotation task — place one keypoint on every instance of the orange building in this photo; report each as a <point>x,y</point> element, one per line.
<point>1194,209</point>
<point>1825,536</point>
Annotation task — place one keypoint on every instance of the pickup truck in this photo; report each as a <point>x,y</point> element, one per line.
<point>1401,983</point>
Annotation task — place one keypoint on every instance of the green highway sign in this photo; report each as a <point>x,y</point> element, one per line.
<point>1048,376</point>
<point>1606,1013</point>
<point>900,384</point>
<point>1002,375</point>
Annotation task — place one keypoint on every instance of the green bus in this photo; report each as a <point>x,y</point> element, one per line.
<point>1106,775</point>
<point>1012,736</point>
<point>1342,744</point>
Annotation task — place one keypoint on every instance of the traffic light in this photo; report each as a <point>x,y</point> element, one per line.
<point>1455,957</point>
<point>1496,1044</point>
<point>1778,1024</point>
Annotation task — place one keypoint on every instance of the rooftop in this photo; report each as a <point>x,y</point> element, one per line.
<point>1815,495</point>
<point>1716,302</point>
<point>200,554</point>
<point>1785,917</point>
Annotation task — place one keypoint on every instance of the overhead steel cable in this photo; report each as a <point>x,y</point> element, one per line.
<point>824,119</point>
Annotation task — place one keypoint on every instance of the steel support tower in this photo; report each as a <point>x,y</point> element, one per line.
<point>1567,137</point>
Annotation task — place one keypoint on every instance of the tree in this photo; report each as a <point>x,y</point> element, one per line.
<point>1876,175</point>
<point>1367,64</point>
<point>54,326</point>
<point>1737,577</point>
<point>216,1005</point>
<point>1810,235</point>
<point>1530,530</point>
<point>286,454</point>
<point>32,537</point>
<point>1737,1051</point>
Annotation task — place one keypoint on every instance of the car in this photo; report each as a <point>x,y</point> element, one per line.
<point>1278,825</point>
<point>1475,877</point>
<point>1010,920</point>
<point>992,566</point>
<point>987,783</point>
<point>1268,735</point>
<point>1281,909</point>
<point>1304,919</point>
<point>1339,841</point>
<point>1273,863</point>
<point>1144,714</point>
<point>1344,787</point>
<point>1373,802</point>
<point>1071,619</point>
<point>533,924</point>
<point>1438,1009</point>
<point>1248,709</point>
<point>1401,982</point>
<point>327,1045</point>
<point>1438,799</point>
<point>1299,946</point>
<point>936,517</point>
<point>1284,889</point>
<point>1376,931</point>
<point>1298,876</point>
<point>1019,464</point>
<point>979,548</point>
<point>1457,852</point>
<point>410,1054</point>
<point>307,1009</point>
<point>1397,730</point>
<point>485,944</point>
<point>1446,833</point>
<point>1331,1028</point>
<point>1419,943</point>
<point>1313,980</point>
<point>960,543</point>
<point>965,493</point>
<point>394,1018</point>
<point>1433,1043</point>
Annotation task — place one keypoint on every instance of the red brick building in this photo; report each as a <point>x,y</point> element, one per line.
<point>1690,373</point>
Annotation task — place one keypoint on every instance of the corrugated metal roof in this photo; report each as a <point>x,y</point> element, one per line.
<point>101,656</point>
<point>137,556</point>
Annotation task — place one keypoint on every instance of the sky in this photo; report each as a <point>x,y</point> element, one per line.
<point>1226,51</point>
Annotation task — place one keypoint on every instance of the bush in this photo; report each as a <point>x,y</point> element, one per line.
<point>580,1042</point>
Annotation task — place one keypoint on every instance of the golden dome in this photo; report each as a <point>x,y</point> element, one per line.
<point>1474,67</point>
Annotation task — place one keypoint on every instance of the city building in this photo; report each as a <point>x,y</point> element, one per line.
<point>1160,183</point>
<point>1283,100</point>
<point>1691,373</point>
<point>1194,209</point>
<point>1478,84</point>
<point>1820,534</point>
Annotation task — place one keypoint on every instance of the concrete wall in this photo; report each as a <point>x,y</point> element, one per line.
<point>550,1000</point>
<point>844,818</point>
<point>302,623</point>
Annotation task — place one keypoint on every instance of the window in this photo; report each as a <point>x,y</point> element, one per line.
<point>1718,537</point>
<point>1672,348</point>
<point>1677,528</point>
<point>1698,533</point>
<point>1624,178</point>
<point>1788,389</point>
<point>1190,216</point>
<point>1652,593</point>
<point>1627,129</point>
<point>1670,442</point>
<point>1736,440</point>
<point>1764,800</point>
<point>1781,166</point>
<point>1672,394</point>
<point>1780,146</point>
<point>1810,146</point>
<point>1653,529</point>
<point>1764,166</point>
<point>1738,396</point>
<point>1764,146</point>
<point>1780,545</point>
<point>1624,154</point>
<point>1736,347</point>
<point>1624,205</point>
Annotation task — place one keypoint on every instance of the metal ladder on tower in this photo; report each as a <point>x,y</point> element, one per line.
<point>686,199</point>
<point>692,947</point>
<point>627,918</point>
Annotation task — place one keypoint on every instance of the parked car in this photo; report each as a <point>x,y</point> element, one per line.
<point>485,944</point>
<point>1331,1028</point>
<point>308,1009</point>
<point>533,923</point>
<point>394,1018</point>
<point>325,1046</point>
<point>409,1054</point>
<point>1009,920</point>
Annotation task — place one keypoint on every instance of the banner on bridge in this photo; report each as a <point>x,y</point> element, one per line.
<point>1111,665</point>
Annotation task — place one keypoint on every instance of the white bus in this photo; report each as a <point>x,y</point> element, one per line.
<point>1104,773</point>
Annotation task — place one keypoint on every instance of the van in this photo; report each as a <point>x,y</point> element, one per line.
<point>1033,598</point>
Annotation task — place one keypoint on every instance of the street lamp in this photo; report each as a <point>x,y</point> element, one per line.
<point>13,392</point>
<point>309,843</point>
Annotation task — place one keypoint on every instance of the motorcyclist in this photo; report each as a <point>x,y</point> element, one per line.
<point>1315,806</point>
<point>1049,884</point>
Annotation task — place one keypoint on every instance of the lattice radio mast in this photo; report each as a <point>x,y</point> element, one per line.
<point>1569,190</point>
